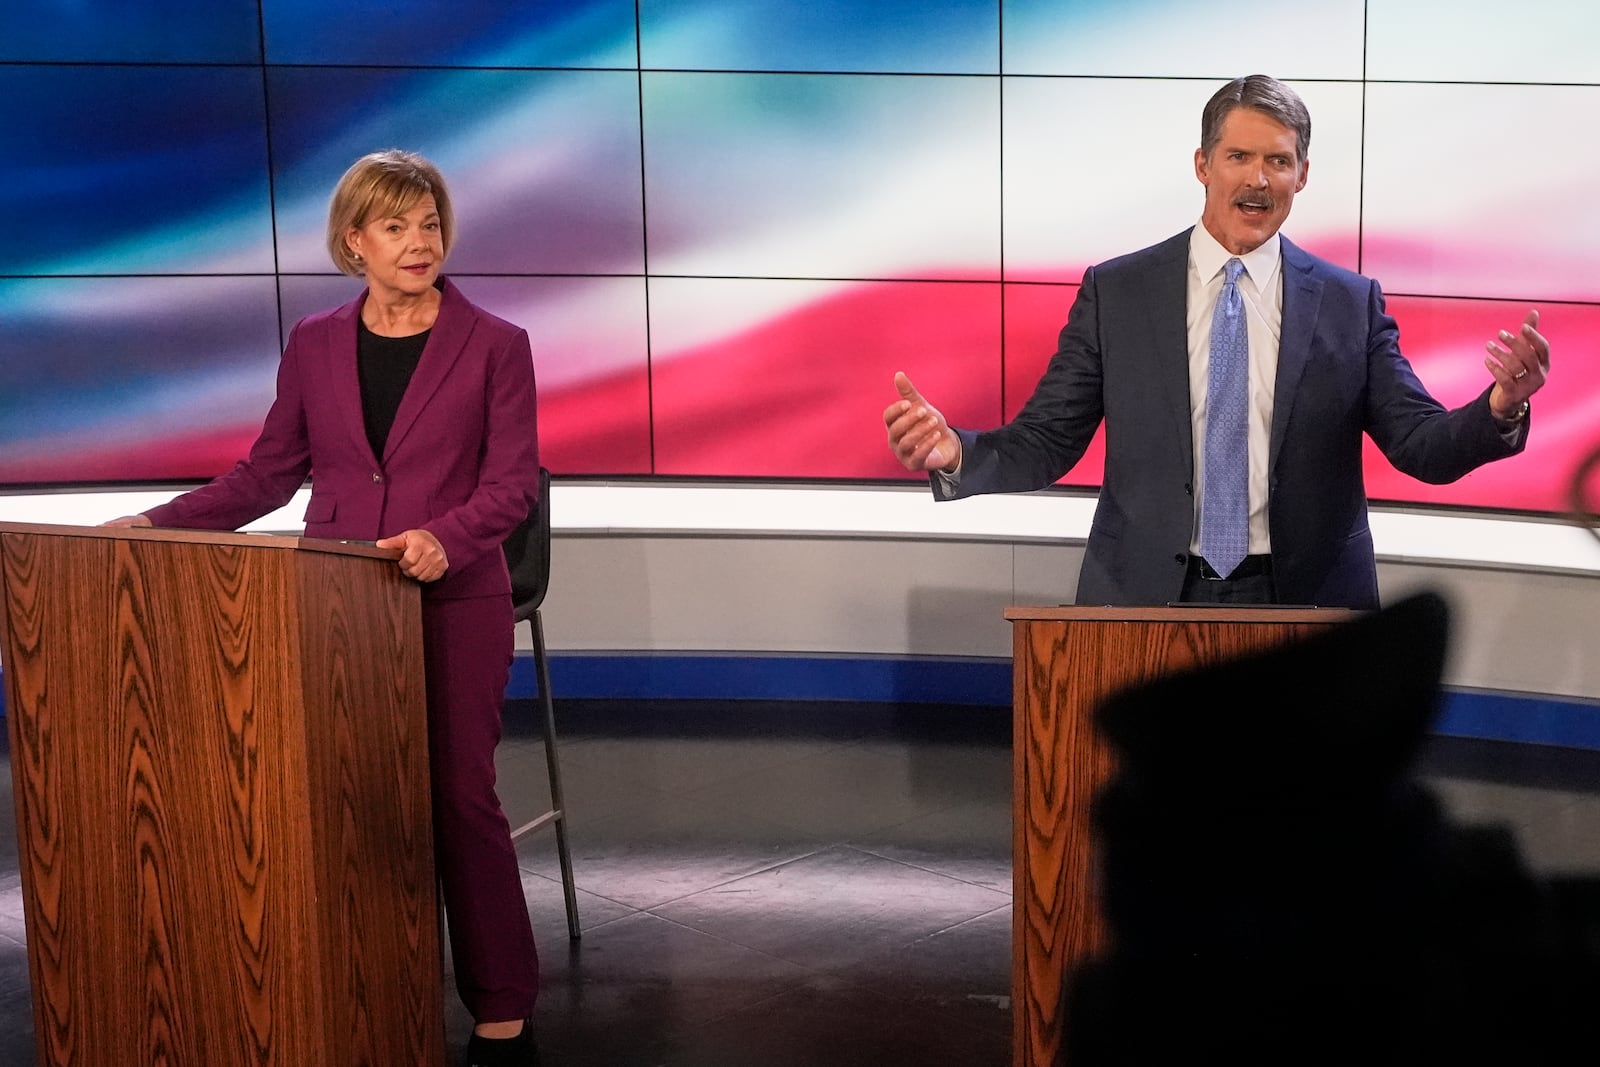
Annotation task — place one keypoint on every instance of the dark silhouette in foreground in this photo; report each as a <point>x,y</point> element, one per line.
<point>1280,889</point>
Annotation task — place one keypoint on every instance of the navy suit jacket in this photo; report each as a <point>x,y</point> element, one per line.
<point>1123,357</point>
<point>461,461</point>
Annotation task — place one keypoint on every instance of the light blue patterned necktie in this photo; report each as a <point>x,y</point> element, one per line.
<point>1225,508</point>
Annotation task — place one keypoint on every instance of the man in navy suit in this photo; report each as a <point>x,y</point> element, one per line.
<point>1324,368</point>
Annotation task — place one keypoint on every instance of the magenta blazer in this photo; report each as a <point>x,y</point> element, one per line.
<point>462,460</point>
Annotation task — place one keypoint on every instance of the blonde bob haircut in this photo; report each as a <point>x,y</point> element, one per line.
<point>381,185</point>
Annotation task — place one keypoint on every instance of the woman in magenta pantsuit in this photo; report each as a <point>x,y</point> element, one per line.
<point>413,413</point>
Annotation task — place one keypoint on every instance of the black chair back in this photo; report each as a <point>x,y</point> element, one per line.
<point>528,554</point>
<point>528,559</point>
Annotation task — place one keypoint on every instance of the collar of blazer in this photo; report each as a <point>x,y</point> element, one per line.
<point>446,340</point>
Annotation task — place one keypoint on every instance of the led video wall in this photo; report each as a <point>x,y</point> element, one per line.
<point>726,223</point>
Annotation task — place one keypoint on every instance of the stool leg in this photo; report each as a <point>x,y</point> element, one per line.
<point>553,764</point>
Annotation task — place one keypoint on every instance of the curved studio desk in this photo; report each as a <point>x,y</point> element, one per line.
<point>677,588</point>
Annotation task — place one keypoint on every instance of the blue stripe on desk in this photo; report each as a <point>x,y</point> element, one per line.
<point>721,676</point>
<point>1523,717</point>
<point>1495,716</point>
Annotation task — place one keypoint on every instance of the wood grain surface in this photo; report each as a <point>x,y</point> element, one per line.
<point>1066,661</point>
<point>219,762</point>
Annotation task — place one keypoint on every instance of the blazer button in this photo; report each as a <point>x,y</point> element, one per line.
<point>376,477</point>
<point>1181,558</point>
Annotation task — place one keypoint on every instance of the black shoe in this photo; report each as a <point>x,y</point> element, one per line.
<point>519,1051</point>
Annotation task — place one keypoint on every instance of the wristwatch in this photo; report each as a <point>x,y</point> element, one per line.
<point>1516,418</point>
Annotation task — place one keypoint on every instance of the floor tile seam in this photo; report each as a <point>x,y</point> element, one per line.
<point>766,869</point>
<point>838,969</point>
<point>590,925</point>
<point>868,850</point>
<point>627,820</point>
<point>556,885</point>
<point>964,922</point>
<point>775,830</point>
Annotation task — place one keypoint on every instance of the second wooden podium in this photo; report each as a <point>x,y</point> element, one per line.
<point>1065,662</point>
<point>219,758</point>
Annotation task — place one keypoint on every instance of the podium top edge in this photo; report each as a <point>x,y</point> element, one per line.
<point>202,537</point>
<point>1266,613</point>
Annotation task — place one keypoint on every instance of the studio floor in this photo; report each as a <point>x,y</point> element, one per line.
<point>810,885</point>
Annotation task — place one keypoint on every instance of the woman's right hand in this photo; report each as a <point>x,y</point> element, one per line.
<point>129,520</point>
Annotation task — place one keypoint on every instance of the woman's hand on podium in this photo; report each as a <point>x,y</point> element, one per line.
<point>129,520</point>
<point>423,557</point>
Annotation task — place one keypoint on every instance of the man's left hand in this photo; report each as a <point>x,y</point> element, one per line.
<point>1520,364</point>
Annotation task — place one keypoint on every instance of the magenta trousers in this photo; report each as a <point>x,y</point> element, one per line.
<point>468,648</point>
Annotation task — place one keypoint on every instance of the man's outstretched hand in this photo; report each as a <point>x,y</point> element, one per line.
<point>1520,363</point>
<point>918,434</point>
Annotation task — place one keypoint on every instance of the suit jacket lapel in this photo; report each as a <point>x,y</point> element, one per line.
<point>345,375</point>
<point>445,343</point>
<point>1302,296</point>
<point>1169,300</point>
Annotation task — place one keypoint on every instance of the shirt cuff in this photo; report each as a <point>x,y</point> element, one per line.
<point>1511,429</point>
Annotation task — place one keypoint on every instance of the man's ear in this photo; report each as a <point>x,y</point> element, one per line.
<point>1305,172</point>
<point>1202,171</point>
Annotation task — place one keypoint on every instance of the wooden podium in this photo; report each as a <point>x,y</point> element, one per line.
<point>219,757</point>
<point>1066,661</point>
